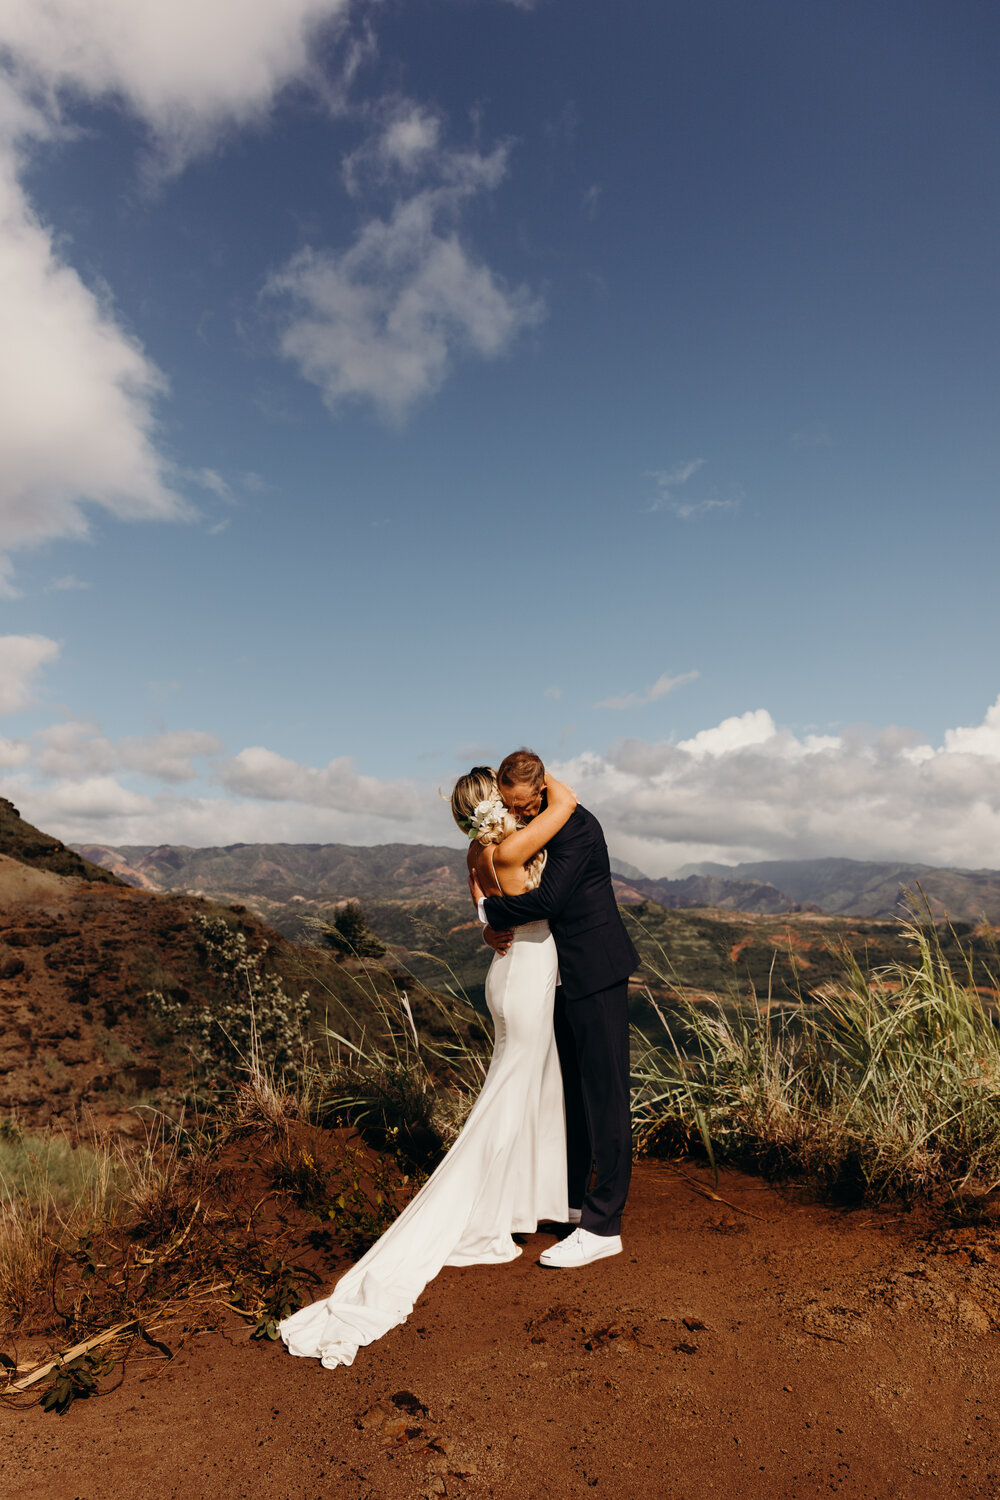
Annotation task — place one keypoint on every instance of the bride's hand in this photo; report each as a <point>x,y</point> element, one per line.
<point>559,794</point>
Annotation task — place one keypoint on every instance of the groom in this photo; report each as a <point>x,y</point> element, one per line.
<point>596,957</point>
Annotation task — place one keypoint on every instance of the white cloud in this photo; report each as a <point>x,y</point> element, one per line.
<point>404,143</point>
<point>667,479</point>
<point>736,733</point>
<point>76,395</point>
<point>103,811</point>
<point>21,657</point>
<point>170,755</point>
<point>660,688</point>
<point>90,802</point>
<point>686,509</point>
<point>384,320</point>
<point>743,789</point>
<point>981,739</point>
<point>75,750</point>
<point>77,392</point>
<point>747,789</point>
<point>13,753</point>
<point>258,772</point>
<point>187,69</point>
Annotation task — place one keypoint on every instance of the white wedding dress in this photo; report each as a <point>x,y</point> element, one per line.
<point>505,1173</point>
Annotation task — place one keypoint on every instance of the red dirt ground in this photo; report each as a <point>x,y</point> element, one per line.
<point>805,1352</point>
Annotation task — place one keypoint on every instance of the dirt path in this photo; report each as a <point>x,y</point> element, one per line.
<point>840,1354</point>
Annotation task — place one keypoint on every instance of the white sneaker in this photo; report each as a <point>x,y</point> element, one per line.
<point>574,1215</point>
<point>580,1248</point>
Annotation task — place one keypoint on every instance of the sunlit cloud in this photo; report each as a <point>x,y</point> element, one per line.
<point>79,396</point>
<point>384,320</point>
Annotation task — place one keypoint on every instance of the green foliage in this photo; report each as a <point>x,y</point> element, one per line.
<point>73,1382</point>
<point>249,1012</point>
<point>360,1193</point>
<point>281,1295</point>
<point>350,934</point>
<point>365,1202</point>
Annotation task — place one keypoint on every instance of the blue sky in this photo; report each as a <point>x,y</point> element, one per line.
<point>387,385</point>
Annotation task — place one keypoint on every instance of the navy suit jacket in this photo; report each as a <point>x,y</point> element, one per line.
<point>578,900</point>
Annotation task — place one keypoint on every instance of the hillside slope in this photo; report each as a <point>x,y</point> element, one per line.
<point>80,955</point>
<point>20,841</point>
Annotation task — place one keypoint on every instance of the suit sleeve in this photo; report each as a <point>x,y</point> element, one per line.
<point>564,867</point>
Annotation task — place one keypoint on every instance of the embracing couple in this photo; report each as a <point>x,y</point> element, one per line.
<point>548,1140</point>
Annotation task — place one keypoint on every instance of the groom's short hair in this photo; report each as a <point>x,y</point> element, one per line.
<point>522,768</point>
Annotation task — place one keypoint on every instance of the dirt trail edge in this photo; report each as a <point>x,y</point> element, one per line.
<point>803,1352</point>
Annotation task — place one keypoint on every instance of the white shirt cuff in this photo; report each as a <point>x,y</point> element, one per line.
<point>481,911</point>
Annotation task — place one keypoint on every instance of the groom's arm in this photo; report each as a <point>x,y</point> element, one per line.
<point>564,867</point>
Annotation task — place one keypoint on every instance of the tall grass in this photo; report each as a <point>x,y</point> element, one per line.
<point>888,1084</point>
<point>409,1079</point>
<point>49,1189</point>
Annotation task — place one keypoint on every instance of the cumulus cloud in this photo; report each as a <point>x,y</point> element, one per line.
<point>384,320</point>
<point>78,394</point>
<point>980,739</point>
<point>747,789</point>
<point>258,772</point>
<point>21,658</point>
<point>104,811</point>
<point>661,687</point>
<point>76,750</point>
<point>187,69</point>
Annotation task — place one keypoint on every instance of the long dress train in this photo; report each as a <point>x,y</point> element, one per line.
<point>505,1173</point>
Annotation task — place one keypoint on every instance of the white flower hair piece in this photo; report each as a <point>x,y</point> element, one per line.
<point>488,815</point>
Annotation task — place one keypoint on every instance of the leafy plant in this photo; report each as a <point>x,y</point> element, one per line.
<point>282,1296</point>
<point>72,1382</point>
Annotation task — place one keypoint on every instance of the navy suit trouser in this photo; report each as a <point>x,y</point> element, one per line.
<point>592,1037</point>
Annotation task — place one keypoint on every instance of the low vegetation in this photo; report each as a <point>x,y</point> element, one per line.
<point>888,1085</point>
<point>102,1241</point>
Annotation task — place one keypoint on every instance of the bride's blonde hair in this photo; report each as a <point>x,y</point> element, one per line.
<point>480,785</point>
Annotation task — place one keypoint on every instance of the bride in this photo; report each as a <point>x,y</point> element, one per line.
<point>506,1171</point>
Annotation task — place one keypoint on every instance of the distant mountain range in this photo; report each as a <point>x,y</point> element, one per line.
<point>321,873</point>
<point>325,875</point>
<point>708,932</point>
<point>868,888</point>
